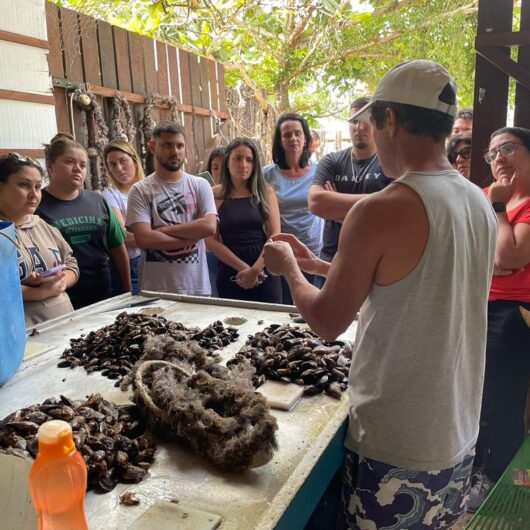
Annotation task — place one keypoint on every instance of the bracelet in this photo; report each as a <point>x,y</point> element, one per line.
<point>499,207</point>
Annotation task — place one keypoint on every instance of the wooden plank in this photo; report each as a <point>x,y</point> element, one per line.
<point>123,64</point>
<point>72,45</point>
<point>221,87</point>
<point>89,47</point>
<point>162,74</point>
<point>212,77</point>
<point>173,68</point>
<point>185,76</point>
<point>61,110</point>
<point>521,116</point>
<point>136,60</point>
<point>205,103</point>
<point>24,39</point>
<point>184,65</point>
<point>109,92</point>
<point>107,59</point>
<point>16,95</point>
<point>205,84</point>
<point>491,88</point>
<point>503,62</point>
<point>34,153</point>
<point>196,98</point>
<point>138,98</point>
<point>25,68</point>
<point>517,38</point>
<point>55,57</point>
<point>151,81</point>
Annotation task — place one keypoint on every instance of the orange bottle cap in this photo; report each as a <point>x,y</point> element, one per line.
<point>55,438</point>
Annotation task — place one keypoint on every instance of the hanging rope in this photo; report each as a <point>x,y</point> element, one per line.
<point>148,123</point>
<point>121,112</point>
<point>97,135</point>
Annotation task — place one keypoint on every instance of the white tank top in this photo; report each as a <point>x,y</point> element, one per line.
<point>416,377</point>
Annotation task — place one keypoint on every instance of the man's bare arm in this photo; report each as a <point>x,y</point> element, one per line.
<point>331,310</point>
<point>195,230</point>
<point>147,238</point>
<point>331,205</point>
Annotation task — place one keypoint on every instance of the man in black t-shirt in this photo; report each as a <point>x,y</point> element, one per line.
<point>343,178</point>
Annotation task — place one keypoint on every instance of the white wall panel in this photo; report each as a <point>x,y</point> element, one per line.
<point>26,125</point>
<point>24,68</point>
<point>27,17</point>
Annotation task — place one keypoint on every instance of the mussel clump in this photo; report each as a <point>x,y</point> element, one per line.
<point>110,437</point>
<point>114,349</point>
<point>294,355</point>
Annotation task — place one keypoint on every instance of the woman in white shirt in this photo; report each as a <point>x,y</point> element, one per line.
<point>124,169</point>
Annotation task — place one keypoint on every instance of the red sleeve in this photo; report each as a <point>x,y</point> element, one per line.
<point>523,215</point>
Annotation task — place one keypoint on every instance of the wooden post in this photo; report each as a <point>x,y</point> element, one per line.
<point>491,87</point>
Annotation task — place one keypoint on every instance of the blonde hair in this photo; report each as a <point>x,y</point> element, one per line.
<point>128,149</point>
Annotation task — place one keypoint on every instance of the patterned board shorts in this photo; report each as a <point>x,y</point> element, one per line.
<point>377,496</point>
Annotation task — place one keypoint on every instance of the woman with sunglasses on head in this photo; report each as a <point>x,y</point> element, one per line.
<point>41,248</point>
<point>291,176</point>
<point>125,169</point>
<point>85,221</point>
<point>459,153</point>
<point>248,216</point>
<point>507,372</point>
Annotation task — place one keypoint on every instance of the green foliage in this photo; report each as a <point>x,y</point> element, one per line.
<point>309,55</point>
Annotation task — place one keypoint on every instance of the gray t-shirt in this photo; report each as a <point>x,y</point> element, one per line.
<point>161,203</point>
<point>417,370</point>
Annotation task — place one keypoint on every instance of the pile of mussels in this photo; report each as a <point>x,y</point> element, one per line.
<point>293,355</point>
<point>109,437</point>
<point>113,350</point>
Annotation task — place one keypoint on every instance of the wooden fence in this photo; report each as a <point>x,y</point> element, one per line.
<point>107,59</point>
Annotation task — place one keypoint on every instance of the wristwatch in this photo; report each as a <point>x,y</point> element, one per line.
<point>498,207</point>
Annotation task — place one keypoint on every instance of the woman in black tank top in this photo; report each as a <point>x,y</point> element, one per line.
<point>248,215</point>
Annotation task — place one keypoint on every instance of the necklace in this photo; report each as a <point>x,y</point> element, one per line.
<point>359,177</point>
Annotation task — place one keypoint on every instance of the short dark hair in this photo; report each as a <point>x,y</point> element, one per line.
<point>415,120</point>
<point>218,152</point>
<point>452,145</point>
<point>278,152</point>
<point>465,113</point>
<point>520,132</point>
<point>12,162</point>
<point>359,103</point>
<point>168,127</point>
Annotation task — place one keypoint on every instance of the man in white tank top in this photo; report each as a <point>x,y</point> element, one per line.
<point>416,260</point>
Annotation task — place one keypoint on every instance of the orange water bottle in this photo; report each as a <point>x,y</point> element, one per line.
<point>57,480</point>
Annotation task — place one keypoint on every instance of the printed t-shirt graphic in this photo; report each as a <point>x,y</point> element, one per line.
<point>177,204</point>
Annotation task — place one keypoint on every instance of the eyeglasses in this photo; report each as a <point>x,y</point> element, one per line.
<point>505,149</point>
<point>464,153</point>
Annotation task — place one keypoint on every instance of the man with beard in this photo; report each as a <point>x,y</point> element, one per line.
<point>170,213</point>
<point>345,177</point>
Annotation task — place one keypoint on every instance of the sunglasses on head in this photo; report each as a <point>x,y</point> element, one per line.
<point>25,159</point>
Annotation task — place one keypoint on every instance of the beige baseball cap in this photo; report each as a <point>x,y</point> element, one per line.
<point>420,83</point>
